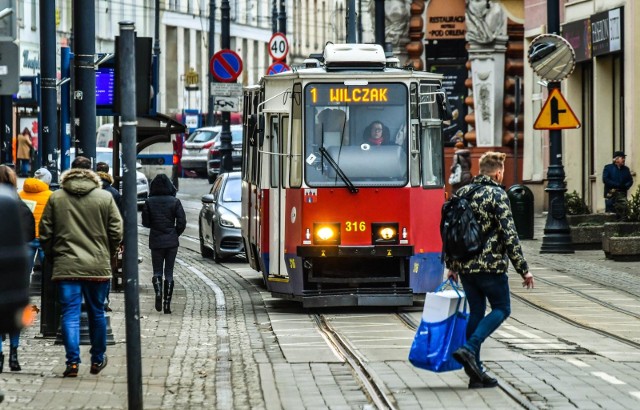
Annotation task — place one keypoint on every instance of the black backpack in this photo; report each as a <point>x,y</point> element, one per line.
<point>461,233</point>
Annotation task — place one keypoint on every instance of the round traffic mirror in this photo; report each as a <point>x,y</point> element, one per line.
<point>551,57</point>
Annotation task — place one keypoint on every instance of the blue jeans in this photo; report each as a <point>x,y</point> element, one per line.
<point>14,340</point>
<point>71,293</point>
<point>34,247</point>
<point>480,287</point>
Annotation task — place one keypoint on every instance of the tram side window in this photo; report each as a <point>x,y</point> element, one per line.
<point>432,156</point>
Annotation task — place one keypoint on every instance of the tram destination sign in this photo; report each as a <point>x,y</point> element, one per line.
<point>330,94</point>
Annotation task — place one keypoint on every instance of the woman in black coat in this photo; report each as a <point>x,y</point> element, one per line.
<point>162,213</point>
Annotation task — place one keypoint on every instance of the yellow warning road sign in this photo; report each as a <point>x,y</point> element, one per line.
<point>556,114</point>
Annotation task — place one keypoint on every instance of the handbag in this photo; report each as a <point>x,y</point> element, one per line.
<point>435,342</point>
<point>456,174</point>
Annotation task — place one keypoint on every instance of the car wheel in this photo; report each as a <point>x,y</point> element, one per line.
<point>204,251</point>
<point>215,255</point>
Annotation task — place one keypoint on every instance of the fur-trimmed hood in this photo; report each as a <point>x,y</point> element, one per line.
<point>78,181</point>
<point>106,177</point>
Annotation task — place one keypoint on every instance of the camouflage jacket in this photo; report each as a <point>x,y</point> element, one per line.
<point>493,212</point>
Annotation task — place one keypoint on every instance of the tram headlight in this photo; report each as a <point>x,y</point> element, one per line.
<point>326,233</point>
<point>384,233</point>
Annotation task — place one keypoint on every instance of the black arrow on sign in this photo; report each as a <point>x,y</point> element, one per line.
<point>555,112</point>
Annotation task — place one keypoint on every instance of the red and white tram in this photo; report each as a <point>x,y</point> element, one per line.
<point>330,216</point>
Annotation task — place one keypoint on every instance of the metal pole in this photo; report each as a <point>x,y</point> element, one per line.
<point>557,238</point>
<point>212,50</point>
<point>127,83</point>
<point>6,114</point>
<point>515,132</point>
<point>274,17</point>
<point>225,136</point>
<point>351,22</point>
<point>49,98</point>
<point>65,101</point>
<point>282,17</point>
<point>156,53</point>
<point>379,23</point>
<point>84,95</point>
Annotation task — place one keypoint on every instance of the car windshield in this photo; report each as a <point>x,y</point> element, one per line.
<point>232,191</point>
<point>202,136</point>
<point>101,156</point>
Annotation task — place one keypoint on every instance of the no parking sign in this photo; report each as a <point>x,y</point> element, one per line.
<point>277,67</point>
<point>225,66</point>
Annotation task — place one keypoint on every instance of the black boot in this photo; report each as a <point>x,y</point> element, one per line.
<point>157,287</point>
<point>168,292</point>
<point>1,362</point>
<point>13,360</point>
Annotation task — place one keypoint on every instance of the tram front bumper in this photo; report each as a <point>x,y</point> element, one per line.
<point>372,251</point>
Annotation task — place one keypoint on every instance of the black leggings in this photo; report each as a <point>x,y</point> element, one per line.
<point>166,257</point>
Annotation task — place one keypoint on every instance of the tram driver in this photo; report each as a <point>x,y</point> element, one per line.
<point>377,133</point>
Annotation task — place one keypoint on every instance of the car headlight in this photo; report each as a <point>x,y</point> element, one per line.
<point>384,233</point>
<point>326,233</point>
<point>141,181</point>
<point>229,220</point>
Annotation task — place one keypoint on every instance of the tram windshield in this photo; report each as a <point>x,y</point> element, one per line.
<point>362,128</point>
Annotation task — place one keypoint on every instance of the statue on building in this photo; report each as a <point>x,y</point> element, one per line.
<point>396,25</point>
<point>486,21</point>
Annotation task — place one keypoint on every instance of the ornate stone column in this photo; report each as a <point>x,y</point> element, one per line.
<point>487,37</point>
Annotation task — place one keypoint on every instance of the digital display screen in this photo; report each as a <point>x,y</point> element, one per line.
<point>330,94</point>
<point>105,86</point>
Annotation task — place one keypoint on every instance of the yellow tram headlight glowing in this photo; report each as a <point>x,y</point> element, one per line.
<point>326,233</point>
<point>384,233</point>
<point>387,233</point>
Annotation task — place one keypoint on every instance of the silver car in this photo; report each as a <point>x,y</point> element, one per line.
<point>219,221</point>
<point>196,148</point>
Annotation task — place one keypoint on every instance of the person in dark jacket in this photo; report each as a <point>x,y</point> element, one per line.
<point>484,277</point>
<point>461,156</point>
<point>102,168</point>
<point>8,177</point>
<point>162,213</point>
<point>617,181</point>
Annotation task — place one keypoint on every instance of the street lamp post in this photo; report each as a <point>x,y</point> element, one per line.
<point>225,135</point>
<point>557,238</point>
<point>212,50</point>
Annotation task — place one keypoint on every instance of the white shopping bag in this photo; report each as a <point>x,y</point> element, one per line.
<point>441,304</point>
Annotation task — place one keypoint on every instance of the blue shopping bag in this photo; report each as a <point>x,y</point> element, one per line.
<point>434,342</point>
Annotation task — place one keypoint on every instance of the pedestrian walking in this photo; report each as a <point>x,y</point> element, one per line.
<point>102,168</point>
<point>162,213</point>
<point>23,152</point>
<point>35,192</point>
<point>80,230</point>
<point>617,181</point>
<point>461,167</point>
<point>484,277</point>
<point>8,177</point>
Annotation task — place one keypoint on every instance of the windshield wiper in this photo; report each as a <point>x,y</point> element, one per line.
<point>336,167</point>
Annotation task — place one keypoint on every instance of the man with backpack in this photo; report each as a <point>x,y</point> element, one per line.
<point>483,261</point>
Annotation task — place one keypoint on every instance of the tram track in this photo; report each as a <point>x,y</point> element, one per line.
<point>375,392</point>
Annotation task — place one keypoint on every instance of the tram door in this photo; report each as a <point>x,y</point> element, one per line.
<point>278,133</point>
